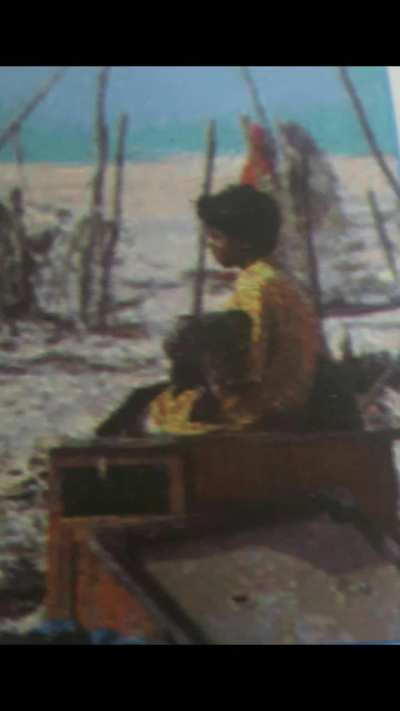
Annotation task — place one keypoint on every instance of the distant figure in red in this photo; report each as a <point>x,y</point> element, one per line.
<point>259,170</point>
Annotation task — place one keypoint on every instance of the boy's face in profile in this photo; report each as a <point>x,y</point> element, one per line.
<point>225,250</point>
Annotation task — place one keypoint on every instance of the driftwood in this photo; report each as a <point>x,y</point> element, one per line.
<point>115,228</point>
<point>201,260</point>
<point>13,126</point>
<point>387,246</point>
<point>358,106</point>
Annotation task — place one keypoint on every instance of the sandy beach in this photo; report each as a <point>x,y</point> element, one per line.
<point>165,189</point>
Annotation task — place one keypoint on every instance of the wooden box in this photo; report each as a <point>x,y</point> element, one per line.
<point>126,482</point>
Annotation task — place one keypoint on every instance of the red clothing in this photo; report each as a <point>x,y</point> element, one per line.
<point>259,163</point>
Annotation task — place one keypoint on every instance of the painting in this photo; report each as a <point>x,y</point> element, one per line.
<point>112,247</point>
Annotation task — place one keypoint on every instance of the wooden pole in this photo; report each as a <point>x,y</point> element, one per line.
<point>258,107</point>
<point>101,140</point>
<point>119,169</point>
<point>41,94</point>
<point>201,260</point>
<point>117,217</point>
<point>94,229</point>
<point>360,111</point>
<point>311,253</point>
<point>19,157</point>
<point>387,247</point>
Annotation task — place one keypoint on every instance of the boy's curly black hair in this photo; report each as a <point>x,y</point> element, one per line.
<point>243,213</point>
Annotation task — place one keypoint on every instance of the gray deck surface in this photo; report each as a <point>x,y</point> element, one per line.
<point>314,581</point>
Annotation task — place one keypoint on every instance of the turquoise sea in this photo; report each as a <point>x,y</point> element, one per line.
<point>335,133</point>
<point>169,109</point>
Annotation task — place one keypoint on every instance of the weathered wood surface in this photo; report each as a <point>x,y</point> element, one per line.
<point>234,471</point>
<point>71,446</point>
<point>79,588</point>
<point>304,580</point>
<point>213,477</point>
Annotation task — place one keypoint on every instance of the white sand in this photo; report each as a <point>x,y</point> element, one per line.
<point>165,190</point>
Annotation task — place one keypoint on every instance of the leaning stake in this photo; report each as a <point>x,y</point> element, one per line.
<point>201,261</point>
<point>344,74</point>
<point>41,94</point>
<point>260,113</point>
<point>258,107</point>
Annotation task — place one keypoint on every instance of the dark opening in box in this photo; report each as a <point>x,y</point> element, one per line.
<point>122,490</point>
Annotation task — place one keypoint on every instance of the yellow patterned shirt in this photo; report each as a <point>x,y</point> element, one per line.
<point>284,345</point>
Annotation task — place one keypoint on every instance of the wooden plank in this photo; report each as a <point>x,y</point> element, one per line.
<point>164,612</point>
<point>173,444</point>
<point>61,572</point>
<point>227,474</point>
<point>177,492</point>
<point>79,587</point>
